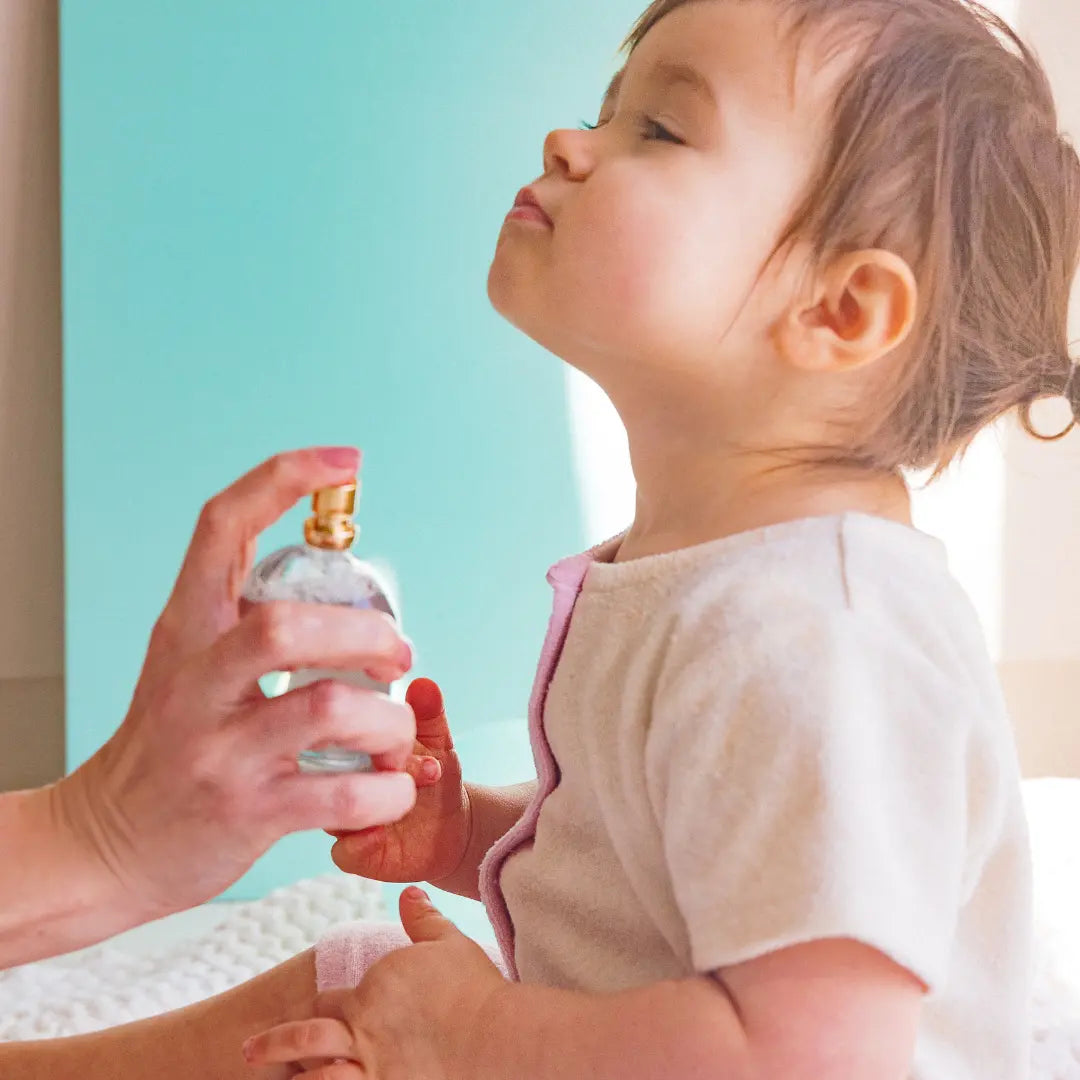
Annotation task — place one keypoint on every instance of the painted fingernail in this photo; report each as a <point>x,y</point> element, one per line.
<point>340,457</point>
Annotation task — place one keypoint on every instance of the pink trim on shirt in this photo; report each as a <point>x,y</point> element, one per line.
<point>566,577</point>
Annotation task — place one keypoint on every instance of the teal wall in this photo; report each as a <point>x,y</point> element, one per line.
<point>278,218</point>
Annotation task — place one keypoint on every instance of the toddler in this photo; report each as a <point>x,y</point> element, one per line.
<point>777,830</point>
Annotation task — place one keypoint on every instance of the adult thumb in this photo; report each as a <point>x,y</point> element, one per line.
<point>422,920</point>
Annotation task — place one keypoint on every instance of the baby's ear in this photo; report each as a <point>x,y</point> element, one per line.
<point>859,309</point>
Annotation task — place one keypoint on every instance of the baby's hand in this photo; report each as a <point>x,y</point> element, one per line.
<point>414,1016</point>
<point>431,841</point>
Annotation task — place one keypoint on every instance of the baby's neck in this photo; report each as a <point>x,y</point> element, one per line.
<point>704,499</point>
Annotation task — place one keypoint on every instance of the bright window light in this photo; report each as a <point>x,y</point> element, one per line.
<point>601,458</point>
<point>965,509</point>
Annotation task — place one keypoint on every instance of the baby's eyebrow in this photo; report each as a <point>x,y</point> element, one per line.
<point>613,89</point>
<point>670,73</point>
<point>666,73</point>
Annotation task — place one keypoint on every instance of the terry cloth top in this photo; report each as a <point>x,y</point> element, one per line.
<point>772,738</point>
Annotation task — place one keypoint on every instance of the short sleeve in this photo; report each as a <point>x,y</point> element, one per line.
<point>809,779</point>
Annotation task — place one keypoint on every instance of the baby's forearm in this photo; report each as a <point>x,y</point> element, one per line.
<point>686,1028</point>
<point>495,811</point>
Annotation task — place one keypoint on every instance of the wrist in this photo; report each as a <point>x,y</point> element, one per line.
<point>491,1044</point>
<point>85,821</point>
<point>493,811</point>
<point>529,1031</point>
<point>61,898</point>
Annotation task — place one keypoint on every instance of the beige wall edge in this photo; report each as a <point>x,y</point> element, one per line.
<point>31,537</point>
<point>31,494</point>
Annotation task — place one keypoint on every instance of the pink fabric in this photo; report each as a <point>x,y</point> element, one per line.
<point>566,578</point>
<point>345,953</point>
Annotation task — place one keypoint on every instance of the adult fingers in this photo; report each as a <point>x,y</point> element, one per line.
<point>222,547</point>
<point>348,803</point>
<point>328,712</point>
<point>287,637</point>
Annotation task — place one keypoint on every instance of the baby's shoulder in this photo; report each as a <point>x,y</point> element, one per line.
<point>814,568</point>
<point>846,594</point>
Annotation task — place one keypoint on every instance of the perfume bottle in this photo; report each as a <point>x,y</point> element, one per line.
<point>324,571</point>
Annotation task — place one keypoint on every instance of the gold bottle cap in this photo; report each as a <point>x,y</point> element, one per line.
<point>332,527</point>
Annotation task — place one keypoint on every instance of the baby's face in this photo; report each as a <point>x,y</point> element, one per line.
<point>662,218</point>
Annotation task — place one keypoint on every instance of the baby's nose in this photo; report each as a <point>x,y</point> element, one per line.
<point>568,153</point>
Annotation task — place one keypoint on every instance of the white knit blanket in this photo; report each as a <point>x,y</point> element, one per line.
<point>111,985</point>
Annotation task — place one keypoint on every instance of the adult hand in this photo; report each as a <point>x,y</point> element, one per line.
<point>201,778</point>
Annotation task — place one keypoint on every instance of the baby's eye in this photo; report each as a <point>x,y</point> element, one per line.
<point>655,131</point>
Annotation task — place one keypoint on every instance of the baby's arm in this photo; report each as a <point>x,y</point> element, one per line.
<point>827,1010</point>
<point>493,812</point>
<point>832,1009</point>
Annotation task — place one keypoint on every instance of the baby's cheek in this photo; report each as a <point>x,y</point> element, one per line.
<point>616,278</point>
<point>658,302</point>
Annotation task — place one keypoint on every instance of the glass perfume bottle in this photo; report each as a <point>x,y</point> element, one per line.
<point>324,571</point>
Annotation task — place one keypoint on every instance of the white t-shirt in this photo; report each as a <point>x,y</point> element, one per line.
<point>777,737</point>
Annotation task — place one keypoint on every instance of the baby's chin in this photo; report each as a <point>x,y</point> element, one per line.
<point>509,294</point>
<point>515,299</point>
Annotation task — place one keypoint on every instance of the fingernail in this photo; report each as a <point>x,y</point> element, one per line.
<point>405,654</point>
<point>413,893</point>
<point>340,457</point>
<point>247,1049</point>
<point>430,769</point>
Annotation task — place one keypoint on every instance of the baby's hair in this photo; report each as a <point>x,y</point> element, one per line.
<point>945,149</point>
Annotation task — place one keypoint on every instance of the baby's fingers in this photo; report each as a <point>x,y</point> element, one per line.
<point>425,770</point>
<point>302,1040</point>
